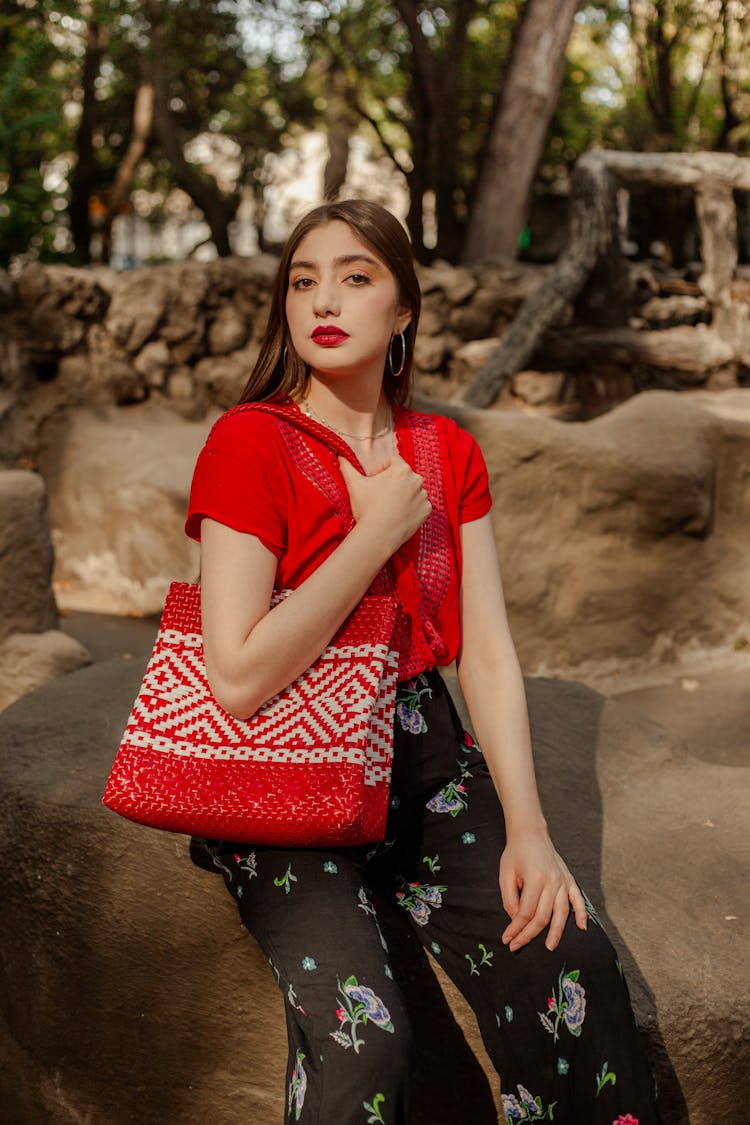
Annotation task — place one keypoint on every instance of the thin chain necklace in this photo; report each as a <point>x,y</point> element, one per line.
<point>342,433</point>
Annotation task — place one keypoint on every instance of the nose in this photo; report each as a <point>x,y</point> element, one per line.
<point>327,300</point>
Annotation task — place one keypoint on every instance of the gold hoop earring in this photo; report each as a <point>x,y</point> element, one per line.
<point>394,372</point>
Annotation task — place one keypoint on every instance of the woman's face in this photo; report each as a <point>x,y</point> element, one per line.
<point>342,304</point>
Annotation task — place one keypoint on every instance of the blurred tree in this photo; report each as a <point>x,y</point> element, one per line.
<point>529,92</point>
<point>34,75</point>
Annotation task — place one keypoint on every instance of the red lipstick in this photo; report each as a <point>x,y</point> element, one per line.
<point>329,335</point>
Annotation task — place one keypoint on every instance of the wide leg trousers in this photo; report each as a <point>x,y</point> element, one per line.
<point>557,1026</point>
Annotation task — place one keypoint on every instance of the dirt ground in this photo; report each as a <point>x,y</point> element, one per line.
<point>705,701</point>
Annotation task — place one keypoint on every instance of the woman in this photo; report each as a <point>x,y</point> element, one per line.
<point>466,851</point>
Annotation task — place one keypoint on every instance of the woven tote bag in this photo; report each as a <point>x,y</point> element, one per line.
<point>310,769</point>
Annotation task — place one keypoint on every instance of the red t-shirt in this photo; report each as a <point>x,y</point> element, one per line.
<point>272,472</point>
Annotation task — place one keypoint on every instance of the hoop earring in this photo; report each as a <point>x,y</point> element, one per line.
<point>395,373</point>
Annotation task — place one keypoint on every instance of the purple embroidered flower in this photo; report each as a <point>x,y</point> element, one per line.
<point>410,720</point>
<point>431,895</point>
<point>298,1087</point>
<point>511,1108</point>
<point>448,800</point>
<point>575,1003</point>
<point>419,911</point>
<point>375,1009</point>
<point>527,1099</point>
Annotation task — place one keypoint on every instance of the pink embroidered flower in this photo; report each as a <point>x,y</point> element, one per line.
<point>625,1119</point>
<point>550,1003</point>
<point>340,1015</point>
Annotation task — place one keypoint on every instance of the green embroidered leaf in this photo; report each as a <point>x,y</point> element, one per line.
<point>574,975</point>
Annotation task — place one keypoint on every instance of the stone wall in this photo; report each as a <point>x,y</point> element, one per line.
<point>186,336</point>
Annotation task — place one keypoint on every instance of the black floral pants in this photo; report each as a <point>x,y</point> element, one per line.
<point>557,1025</point>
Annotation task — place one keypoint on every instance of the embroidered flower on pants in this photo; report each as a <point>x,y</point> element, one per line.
<point>409,705</point>
<point>420,899</point>
<point>568,1005</point>
<point>309,963</point>
<point>330,867</point>
<point>525,1107</point>
<point>359,1005</point>
<point>298,1087</point>
<point>450,799</point>
<point>625,1119</point>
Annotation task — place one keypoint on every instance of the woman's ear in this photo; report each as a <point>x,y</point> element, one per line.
<point>403,318</point>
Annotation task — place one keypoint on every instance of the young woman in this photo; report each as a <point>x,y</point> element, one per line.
<point>466,852</point>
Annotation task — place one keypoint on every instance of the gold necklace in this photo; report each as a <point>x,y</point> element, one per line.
<point>342,433</point>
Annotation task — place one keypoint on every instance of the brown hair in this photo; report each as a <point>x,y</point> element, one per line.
<point>278,371</point>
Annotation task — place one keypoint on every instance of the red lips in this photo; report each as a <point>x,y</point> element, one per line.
<point>328,335</point>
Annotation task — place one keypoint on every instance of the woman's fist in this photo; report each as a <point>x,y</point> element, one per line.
<point>391,502</point>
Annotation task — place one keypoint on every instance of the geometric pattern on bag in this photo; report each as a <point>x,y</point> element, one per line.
<point>310,768</point>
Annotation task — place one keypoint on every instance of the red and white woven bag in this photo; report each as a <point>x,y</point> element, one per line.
<point>311,768</point>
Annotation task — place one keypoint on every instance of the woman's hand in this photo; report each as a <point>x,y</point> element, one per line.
<point>537,890</point>
<point>391,502</point>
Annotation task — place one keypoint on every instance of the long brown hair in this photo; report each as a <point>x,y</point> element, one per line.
<point>279,371</point>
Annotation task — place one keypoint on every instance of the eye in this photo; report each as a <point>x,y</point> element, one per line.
<point>301,283</point>
<point>359,278</point>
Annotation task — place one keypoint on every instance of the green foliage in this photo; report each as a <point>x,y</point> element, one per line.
<point>33,132</point>
<point>248,77</point>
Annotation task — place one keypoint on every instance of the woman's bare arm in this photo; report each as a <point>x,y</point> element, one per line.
<point>536,885</point>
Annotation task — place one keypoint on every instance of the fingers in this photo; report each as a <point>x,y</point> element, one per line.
<point>539,906</point>
<point>578,902</point>
<point>509,893</point>
<point>534,912</point>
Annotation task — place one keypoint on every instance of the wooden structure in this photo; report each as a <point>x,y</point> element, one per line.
<point>593,271</point>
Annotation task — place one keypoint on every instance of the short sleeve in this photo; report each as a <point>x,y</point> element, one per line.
<point>239,481</point>
<point>470,474</point>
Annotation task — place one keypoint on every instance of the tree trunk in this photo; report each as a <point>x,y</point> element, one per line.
<point>84,177</point>
<point>530,91</point>
<point>143,115</point>
<point>592,237</point>
<point>218,209</point>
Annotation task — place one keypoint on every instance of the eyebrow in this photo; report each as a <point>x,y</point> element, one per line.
<point>343,260</point>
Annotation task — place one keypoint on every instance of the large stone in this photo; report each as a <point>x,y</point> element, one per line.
<point>129,991</point>
<point>26,555</point>
<point>119,483</point>
<point>227,332</point>
<point>137,308</point>
<point>624,539</point>
<point>29,660</point>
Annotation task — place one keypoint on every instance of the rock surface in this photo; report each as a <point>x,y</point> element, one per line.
<point>624,539</point>
<point>29,660</point>
<point>129,991</point>
<point>119,483</point>
<point>26,555</point>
